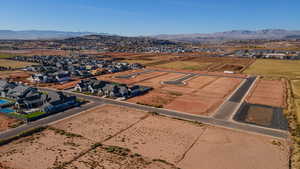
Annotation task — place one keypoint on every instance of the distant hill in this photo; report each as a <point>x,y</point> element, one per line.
<point>268,34</point>
<point>37,34</point>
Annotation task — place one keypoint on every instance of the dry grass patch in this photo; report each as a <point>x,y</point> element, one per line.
<point>184,65</point>
<point>159,138</point>
<point>47,149</point>
<point>14,64</point>
<point>116,157</point>
<point>101,122</point>
<point>275,68</point>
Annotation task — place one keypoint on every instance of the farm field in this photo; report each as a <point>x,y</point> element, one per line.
<point>296,87</point>
<point>298,109</point>
<point>212,64</point>
<point>268,92</point>
<point>185,65</point>
<point>14,64</point>
<point>275,68</point>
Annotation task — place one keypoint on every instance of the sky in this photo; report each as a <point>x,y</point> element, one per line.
<point>149,17</point>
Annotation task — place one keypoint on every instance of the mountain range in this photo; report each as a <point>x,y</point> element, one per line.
<point>268,34</point>
<point>41,34</point>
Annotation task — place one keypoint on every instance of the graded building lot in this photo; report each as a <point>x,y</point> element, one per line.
<point>159,137</point>
<point>6,122</point>
<point>268,92</point>
<point>219,148</point>
<point>205,99</point>
<point>47,149</point>
<point>155,98</point>
<point>200,95</point>
<point>101,122</point>
<point>14,64</point>
<point>194,104</point>
<point>157,82</point>
<point>133,80</point>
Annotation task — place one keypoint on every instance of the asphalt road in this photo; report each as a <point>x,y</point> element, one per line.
<point>45,121</point>
<point>190,117</point>
<point>180,80</point>
<point>96,101</point>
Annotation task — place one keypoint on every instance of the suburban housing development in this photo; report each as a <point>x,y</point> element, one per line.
<point>108,101</point>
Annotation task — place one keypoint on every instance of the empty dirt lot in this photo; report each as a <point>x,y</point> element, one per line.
<point>14,64</point>
<point>268,92</point>
<point>136,139</point>
<point>47,149</point>
<point>6,122</point>
<point>102,122</point>
<point>159,137</point>
<point>133,80</point>
<point>225,149</point>
<point>200,95</point>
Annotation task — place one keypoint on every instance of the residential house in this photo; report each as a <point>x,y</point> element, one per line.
<point>57,101</point>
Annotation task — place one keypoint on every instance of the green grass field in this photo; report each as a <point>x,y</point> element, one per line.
<point>6,55</point>
<point>184,65</point>
<point>275,68</point>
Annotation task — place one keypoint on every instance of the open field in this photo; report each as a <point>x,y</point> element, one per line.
<point>6,55</point>
<point>298,109</point>
<point>113,157</point>
<point>6,122</point>
<point>16,75</point>
<point>202,63</point>
<point>275,68</point>
<point>268,92</point>
<point>117,137</point>
<point>143,62</point>
<point>159,137</point>
<point>100,123</point>
<point>296,87</point>
<point>185,65</point>
<point>47,149</point>
<point>14,64</point>
<point>226,149</point>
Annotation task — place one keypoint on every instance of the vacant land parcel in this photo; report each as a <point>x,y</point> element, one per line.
<point>14,64</point>
<point>268,92</point>
<point>275,68</point>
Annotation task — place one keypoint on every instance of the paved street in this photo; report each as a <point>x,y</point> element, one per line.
<point>221,120</point>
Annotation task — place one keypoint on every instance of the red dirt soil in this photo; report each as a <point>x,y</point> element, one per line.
<point>136,79</point>
<point>157,82</point>
<point>268,92</point>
